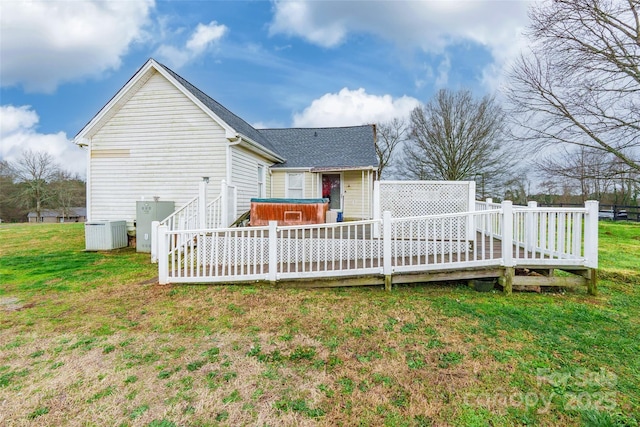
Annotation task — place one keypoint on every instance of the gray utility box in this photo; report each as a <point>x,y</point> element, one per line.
<point>146,213</point>
<point>105,235</point>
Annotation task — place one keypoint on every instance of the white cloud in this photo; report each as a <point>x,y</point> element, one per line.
<point>202,39</point>
<point>353,107</point>
<point>46,43</point>
<point>443,72</point>
<point>296,18</point>
<point>431,26</point>
<point>204,35</point>
<point>18,132</point>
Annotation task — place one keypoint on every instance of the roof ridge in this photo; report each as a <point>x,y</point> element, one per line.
<point>207,100</point>
<point>320,127</point>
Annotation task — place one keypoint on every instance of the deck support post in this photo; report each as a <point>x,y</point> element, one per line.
<point>507,280</point>
<point>273,251</point>
<point>386,250</point>
<point>163,256</point>
<point>592,282</point>
<point>387,283</point>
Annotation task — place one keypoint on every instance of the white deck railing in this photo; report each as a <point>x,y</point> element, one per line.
<point>507,237</point>
<point>185,218</point>
<point>214,213</point>
<point>196,214</point>
<point>547,235</point>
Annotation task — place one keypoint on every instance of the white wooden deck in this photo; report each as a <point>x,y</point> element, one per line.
<point>491,242</point>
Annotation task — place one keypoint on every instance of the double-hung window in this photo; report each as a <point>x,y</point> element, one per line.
<point>261,186</point>
<point>294,187</point>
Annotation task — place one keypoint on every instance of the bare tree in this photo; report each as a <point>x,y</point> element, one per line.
<point>457,137</point>
<point>580,83</point>
<point>34,171</point>
<point>8,209</point>
<point>517,188</point>
<point>584,169</point>
<point>68,190</point>
<point>389,137</point>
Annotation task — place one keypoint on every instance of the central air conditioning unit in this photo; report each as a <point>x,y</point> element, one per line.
<point>105,235</point>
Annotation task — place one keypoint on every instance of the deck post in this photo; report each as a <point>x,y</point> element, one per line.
<point>531,236</point>
<point>163,256</point>
<point>224,204</point>
<point>471,232</point>
<point>507,245</point>
<point>273,251</point>
<point>154,241</point>
<point>386,250</point>
<point>591,234</point>
<point>202,204</point>
<point>591,244</point>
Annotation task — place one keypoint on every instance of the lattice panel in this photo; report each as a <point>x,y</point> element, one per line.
<point>406,199</point>
<point>333,251</point>
<point>237,250</point>
<point>450,228</point>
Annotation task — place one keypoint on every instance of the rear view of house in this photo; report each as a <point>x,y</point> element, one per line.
<point>160,136</point>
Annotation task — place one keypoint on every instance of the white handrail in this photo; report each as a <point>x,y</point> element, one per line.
<point>214,213</point>
<point>507,237</point>
<point>183,217</point>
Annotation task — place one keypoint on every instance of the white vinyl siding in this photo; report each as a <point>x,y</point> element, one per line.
<point>268,183</point>
<point>159,143</point>
<point>244,176</point>
<point>277,184</point>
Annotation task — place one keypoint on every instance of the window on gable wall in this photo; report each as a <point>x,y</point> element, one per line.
<point>294,185</point>
<point>261,186</point>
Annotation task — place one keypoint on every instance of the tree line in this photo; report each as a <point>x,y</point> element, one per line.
<point>570,119</point>
<point>34,183</point>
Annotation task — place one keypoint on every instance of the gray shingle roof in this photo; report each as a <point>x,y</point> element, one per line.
<point>324,147</point>
<point>227,116</point>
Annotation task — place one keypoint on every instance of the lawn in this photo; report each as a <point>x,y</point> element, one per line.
<point>92,339</point>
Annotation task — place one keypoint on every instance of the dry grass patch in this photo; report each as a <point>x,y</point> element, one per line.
<point>131,378</point>
<point>97,342</point>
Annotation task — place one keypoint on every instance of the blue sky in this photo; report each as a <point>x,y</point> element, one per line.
<point>274,63</point>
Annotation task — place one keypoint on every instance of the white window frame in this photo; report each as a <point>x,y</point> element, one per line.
<point>262,184</point>
<point>287,186</point>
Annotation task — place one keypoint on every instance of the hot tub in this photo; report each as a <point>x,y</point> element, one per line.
<point>288,211</point>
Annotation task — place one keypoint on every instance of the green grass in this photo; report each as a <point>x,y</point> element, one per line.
<point>91,336</point>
